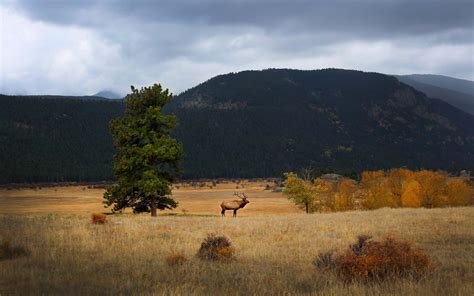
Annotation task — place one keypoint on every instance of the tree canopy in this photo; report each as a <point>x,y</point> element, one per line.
<point>147,157</point>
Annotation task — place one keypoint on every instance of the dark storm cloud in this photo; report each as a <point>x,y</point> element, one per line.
<point>379,17</point>
<point>183,42</point>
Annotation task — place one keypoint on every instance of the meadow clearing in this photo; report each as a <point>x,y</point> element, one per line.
<point>274,241</point>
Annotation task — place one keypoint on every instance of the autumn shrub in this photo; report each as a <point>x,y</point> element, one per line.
<point>369,260</point>
<point>176,259</point>
<point>99,218</point>
<point>216,248</point>
<point>8,251</point>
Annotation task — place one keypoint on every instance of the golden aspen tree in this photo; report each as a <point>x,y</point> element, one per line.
<point>458,192</point>
<point>299,191</point>
<point>344,200</point>
<point>411,195</point>
<point>432,187</point>
<point>324,191</point>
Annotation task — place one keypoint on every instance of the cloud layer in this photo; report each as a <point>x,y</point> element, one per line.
<point>81,47</point>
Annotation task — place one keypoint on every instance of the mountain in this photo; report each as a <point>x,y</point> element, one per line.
<point>56,97</point>
<point>249,124</point>
<point>262,123</point>
<point>108,95</point>
<point>457,92</point>
<point>456,84</point>
<point>54,138</point>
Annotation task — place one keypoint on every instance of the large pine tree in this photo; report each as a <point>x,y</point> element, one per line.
<point>147,158</point>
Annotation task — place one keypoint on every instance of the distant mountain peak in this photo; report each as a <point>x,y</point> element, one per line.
<point>108,94</point>
<point>457,92</point>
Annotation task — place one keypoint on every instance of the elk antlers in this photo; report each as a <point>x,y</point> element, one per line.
<point>242,195</point>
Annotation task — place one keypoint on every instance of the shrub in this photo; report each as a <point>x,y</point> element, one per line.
<point>176,259</point>
<point>216,248</point>
<point>370,260</point>
<point>326,261</point>
<point>7,251</point>
<point>99,218</point>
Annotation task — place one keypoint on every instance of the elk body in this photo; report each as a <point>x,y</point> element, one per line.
<point>234,205</point>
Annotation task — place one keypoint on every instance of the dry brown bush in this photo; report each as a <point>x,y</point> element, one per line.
<point>7,251</point>
<point>216,248</point>
<point>98,218</point>
<point>369,260</point>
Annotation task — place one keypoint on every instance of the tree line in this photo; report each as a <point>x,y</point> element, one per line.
<point>394,188</point>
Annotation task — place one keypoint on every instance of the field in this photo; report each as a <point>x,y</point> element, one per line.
<point>275,245</point>
<point>194,199</point>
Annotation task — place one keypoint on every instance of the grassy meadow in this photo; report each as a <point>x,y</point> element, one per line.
<point>275,245</point>
<point>194,199</point>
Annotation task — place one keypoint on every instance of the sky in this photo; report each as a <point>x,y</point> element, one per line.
<point>80,47</point>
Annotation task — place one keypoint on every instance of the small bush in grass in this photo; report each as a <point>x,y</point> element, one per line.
<point>7,251</point>
<point>216,248</point>
<point>99,218</point>
<point>326,261</point>
<point>176,259</point>
<point>368,260</point>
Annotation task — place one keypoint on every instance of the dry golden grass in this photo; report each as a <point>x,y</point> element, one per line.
<point>192,200</point>
<point>273,254</point>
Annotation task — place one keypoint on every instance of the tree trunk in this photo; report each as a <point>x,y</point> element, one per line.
<point>306,204</point>
<point>153,208</point>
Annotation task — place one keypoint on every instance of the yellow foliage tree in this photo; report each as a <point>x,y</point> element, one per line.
<point>432,185</point>
<point>458,192</point>
<point>378,194</point>
<point>324,191</point>
<point>369,176</point>
<point>301,192</point>
<point>344,200</point>
<point>411,195</point>
<point>396,180</point>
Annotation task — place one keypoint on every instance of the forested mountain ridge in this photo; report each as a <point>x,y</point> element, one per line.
<point>249,124</point>
<point>457,92</point>
<point>55,138</point>
<point>446,82</point>
<point>261,123</point>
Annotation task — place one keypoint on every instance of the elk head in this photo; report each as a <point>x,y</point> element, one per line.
<point>243,196</point>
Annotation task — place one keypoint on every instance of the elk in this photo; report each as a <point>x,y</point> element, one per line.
<point>234,205</point>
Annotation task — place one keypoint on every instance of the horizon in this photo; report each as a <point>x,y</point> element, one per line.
<point>119,96</point>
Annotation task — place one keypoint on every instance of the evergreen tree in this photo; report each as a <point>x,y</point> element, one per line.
<point>147,158</point>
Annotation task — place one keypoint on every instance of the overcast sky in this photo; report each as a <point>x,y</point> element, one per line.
<point>77,47</point>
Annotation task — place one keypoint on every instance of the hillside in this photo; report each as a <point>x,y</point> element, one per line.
<point>459,93</point>
<point>262,123</point>
<point>456,84</point>
<point>52,138</point>
<point>249,124</point>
